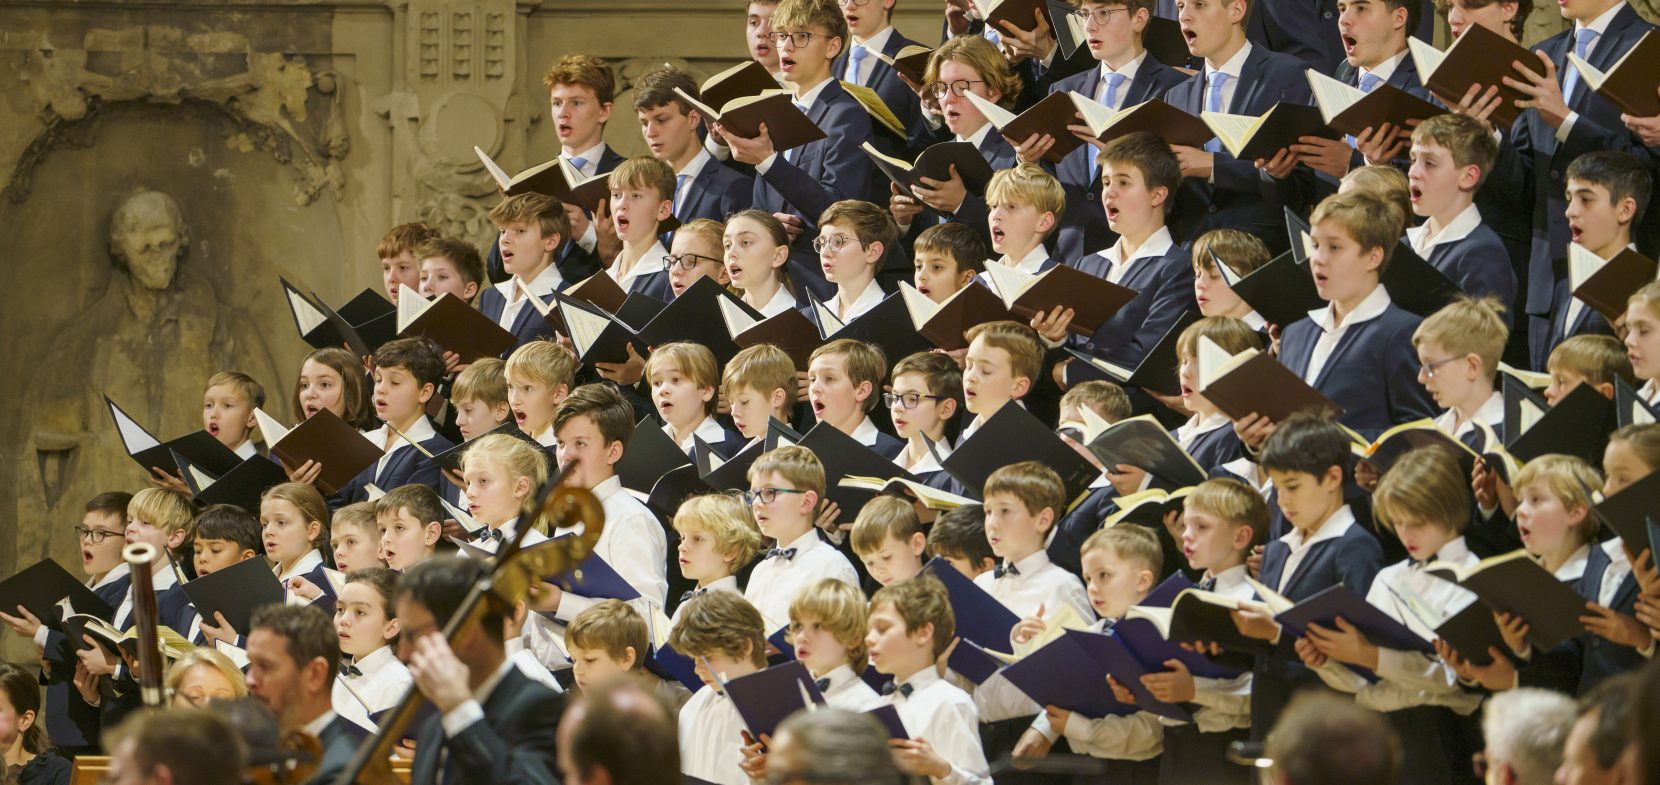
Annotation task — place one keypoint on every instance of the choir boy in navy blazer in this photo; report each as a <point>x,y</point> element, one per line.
<point>1139,175</point>
<point>1125,75</point>
<point>804,181</point>
<point>872,32</point>
<point>407,371</point>
<point>581,89</point>
<point>1567,121</point>
<point>1238,78</point>
<point>642,198</point>
<point>1610,192</point>
<point>1451,156</point>
<point>1326,546</point>
<point>1609,582</point>
<point>532,228</point>
<point>703,188</point>
<point>1035,56</point>
<point>1358,350</point>
<point>1309,30</point>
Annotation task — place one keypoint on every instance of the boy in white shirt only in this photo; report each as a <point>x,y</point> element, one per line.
<point>717,538</point>
<point>911,625</point>
<point>371,679</point>
<point>1022,502</point>
<point>726,637</point>
<point>785,486</point>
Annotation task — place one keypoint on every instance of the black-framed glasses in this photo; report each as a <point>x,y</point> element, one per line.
<point>957,87</point>
<point>859,3</point>
<point>95,536</point>
<point>767,495</point>
<point>1428,370</point>
<point>1099,16</point>
<point>907,401</point>
<point>686,261</point>
<point>798,39</point>
<point>835,243</point>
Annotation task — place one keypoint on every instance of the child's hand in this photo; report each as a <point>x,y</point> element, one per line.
<point>750,151</point>
<point>1514,629</point>
<point>827,515</point>
<point>303,588</point>
<point>219,631</point>
<point>1172,686</point>
<point>1052,326</point>
<point>1366,475</point>
<point>792,225</point>
<point>1030,627</point>
<point>1344,644</point>
<point>1253,429</point>
<point>1019,44</point>
<point>1479,103</point>
<point>1058,718</point>
<point>1484,484</point>
<point>454,478</point>
<point>1648,612</point>
<point>1207,648</point>
<point>1254,620</point>
<point>1253,562</point>
<point>452,363</point>
<point>1615,626</point>
<point>942,195</point>
<point>24,623</point>
<point>1642,568</point>
<point>1498,675</point>
<point>1324,155</point>
<point>1120,693</point>
<point>1194,161</point>
<point>544,597</point>
<point>1032,747</point>
<point>86,683</point>
<point>453,528</point>
<point>1034,148</point>
<point>606,242</point>
<point>904,207</point>
<point>1279,167</point>
<point>754,763</point>
<point>801,385</point>
<point>172,482</point>
<point>1382,145</point>
<point>1125,479</point>
<point>626,373</point>
<point>94,659</point>
<point>306,473</point>
<point>1309,653</point>
<point>917,756</point>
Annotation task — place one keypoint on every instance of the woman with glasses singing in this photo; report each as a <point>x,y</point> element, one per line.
<point>963,67</point>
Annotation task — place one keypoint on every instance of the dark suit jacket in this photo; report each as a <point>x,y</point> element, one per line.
<point>512,745</point>
<point>1083,229</point>
<point>529,325</point>
<point>1479,265</point>
<point>1308,30</point>
<point>716,193</point>
<point>1588,322</point>
<point>973,212</point>
<point>1372,372</point>
<point>70,721</point>
<point>406,466</point>
<point>810,178</point>
<point>1164,289</point>
<point>340,742</point>
<point>1239,195</point>
<point>1604,658</point>
<point>899,97</point>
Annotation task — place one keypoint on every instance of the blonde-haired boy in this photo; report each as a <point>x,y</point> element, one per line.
<point>717,539</point>
<point>1003,363</point>
<point>854,238</point>
<point>1597,360</point>
<point>532,229</point>
<point>759,384</point>
<point>1451,156</point>
<point>1459,348</point>
<point>160,518</point>
<point>683,377</point>
<point>785,489</point>
<point>828,622</point>
<point>642,197</point>
<point>1024,204</point>
<point>539,374</point>
<point>844,381</point>
<point>888,538</point>
<point>396,251</point>
<point>228,404</point>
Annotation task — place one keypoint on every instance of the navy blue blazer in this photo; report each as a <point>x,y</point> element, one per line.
<point>1085,518</point>
<point>810,178</point>
<point>407,466</point>
<point>1598,128</point>
<point>1604,658</point>
<point>1405,77</point>
<point>973,211</point>
<point>1308,30</point>
<point>716,193</point>
<point>529,325</point>
<point>1164,289</point>
<point>888,446</point>
<point>70,721</point>
<point>1083,229</point>
<point>1376,350</point>
<point>1588,322</point>
<point>1479,265</point>
<point>899,97</point>
<point>652,284</point>
<point>512,745</point>
<point>1239,195</point>
<point>1212,449</point>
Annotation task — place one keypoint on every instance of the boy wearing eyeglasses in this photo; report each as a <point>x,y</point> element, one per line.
<point>853,239</point>
<point>870,24</point>
<point>785,487</point>
<point>927,392</point>
<point>804,181</point>
<point>642,191</point>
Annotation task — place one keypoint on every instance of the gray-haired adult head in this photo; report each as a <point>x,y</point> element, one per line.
<point>831,747</point>
<point>1525,730</point>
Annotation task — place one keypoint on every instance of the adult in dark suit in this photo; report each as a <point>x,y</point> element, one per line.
<point>494,725</point>
<point>1309,32</point>
<point>293,656</point>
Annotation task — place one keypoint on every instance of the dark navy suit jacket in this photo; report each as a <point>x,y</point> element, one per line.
<point>512,745</point>
<point>1084,228</point>
<point>1372,372</point>
<point>898,96</point>
<point>1479,265</point>
<point>529,325</point>
<point>1164,287</point>
<point>1604,658</point>
<point>406,466</point>
<point>1587,322</point>
<point>1240,195</point>
<point>716,193</point>
<point>810,178</point>
<point>70,721</point>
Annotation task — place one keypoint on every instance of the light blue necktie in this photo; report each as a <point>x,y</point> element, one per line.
<point>680,181</point>
<point>993,37</point>
<point>1213,103</point>
<point>854,59</point>
<point>1108,95</point>
<point>1368,83</point>
<point>1583,38</point>
<point>579,164</point>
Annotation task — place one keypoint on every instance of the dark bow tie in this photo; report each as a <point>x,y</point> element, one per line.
<point>488,533</point>
<point>1208,584</point>
<point>823,684</point>
<point>784,553</point>
<point>1006,568</point>
<point>348,669</point>
<point>686,595</point>
<point>904,690</point>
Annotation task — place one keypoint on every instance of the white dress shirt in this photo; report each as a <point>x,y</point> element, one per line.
<point>728,583</point>
<point>380,686</point>
<point>1134,737</point>
<point>1334,527</point>
<point>1490,412</point>
<point>1599,24</point>
<point>1154,247</point>
<point>632,543</point>
<point>421,431</point>
<point>303,565</point>
<point>1040,583</point>
<point>1384,70</point>
<point>869,298</point>
<point>848,691</point>
<point>1331,333</point>
<point>1104,71</point>
<point>1457,229</point>
<point>781,301</point>
<point>246,449</point>
<point>865,433</point>
<point>1233,68</point>
<point>525,660</point>
<point>940,712</point>
<point>1197,426</point>
<point>1030,264</point>
<point>545,283</point>
<point>649,262</point>
<point>711,739</point>
<point>1225,704</point>
<point>774,582</point>
<point>508,530</point>
<point>930,461</point>
<point>872,46</point>
<point>709,431</point>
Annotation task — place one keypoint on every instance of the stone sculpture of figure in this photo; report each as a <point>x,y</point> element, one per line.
<point>150,342</point>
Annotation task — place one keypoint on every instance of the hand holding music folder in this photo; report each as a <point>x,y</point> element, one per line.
<point>151,453</point>
<point>1254,382</point>
<point>787,126</point>
<point>1143,443</point>
<point>1478,57</point>
<point>1628,84</point>
<point>1607,284</point>
<point>41,586</point>
<point>1054,114</point>
<point>766,698</point>
<point>1249,138</point>
<point>1379,628</point>
<point>1069,673</point>
<point>1514,583</point>
<point>1348,110</point>
<point>452,324</point>
<point>1013,435</point>
<point>935,163</point>
<point>1093,300</point>
<point>235,592</point>
<point>342,452</point>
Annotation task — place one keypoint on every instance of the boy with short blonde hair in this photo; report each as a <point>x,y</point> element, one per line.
<point>888,538</point>
<point>1004,363</point>
<point>539,375</point>
<point>532,228</point>
<point>759,384</point>
<point>1459,347</point>
<point>1597,360</point>
<point>642,197</point>
<point>717,539</point>
<point>356,539</point>
<point>785,489</point>
<point>450,265</point>
<point>683,377</point>
<point>1023,205</point>
<point>854,238</point>
<point>828,623</point>
<point>396,251</point>
<point>479,396</point>
<point>844,381</point>
<point>608,640</point>
<point>1451,156</point>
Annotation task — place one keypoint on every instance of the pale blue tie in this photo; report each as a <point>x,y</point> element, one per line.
<point>1583,38</point>
<point>680,181</point>
<point>1368,83</point>
<point>1108,95</point>
<point>1213,103</point>
<point>993,37</point>
<point>855,58</point>
<point>579,163</point>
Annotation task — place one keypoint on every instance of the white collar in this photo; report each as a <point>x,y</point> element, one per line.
<point>807,540</point>
<point>1574,568</point>
<point>1196,426</point>
<point>929,462</point>
<point>725,583</point>
<point>1334,527</point>
<point>591,156</point>
<point>545,283</point>
<point>316,726</point>
<point>245,450</point>
<point>812,95</point>
<point>839,675</point>
<point>1371,307</point>
<point>1457,229</point>
<point>165,575</point>
<point>116,573</point>
<point>546,437</point>
<point>1600,24</point>
<point>1229,578</point>
<point>1233,66</point>
<point>306,564</point>
<point>419,432</point>
<point>865,432</point>
<point>867,299</point>
<point>1255,321</point>
<point>1031,263</point>
<point>1156,245</point>
<point>781,301</point>
<point>978,137</point>
<point>695,166</point>
<point>920,680</point>
<point>1491,412</point>
<point>709,431</point>
<point>608,486</point>
<point>1031,564</point>
<point>1650,393</point>
<point>1384,70</point>
<point>877,42</point>
<point>1128,71</point>
<point>1454,552</point>
<point>649,262</point>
